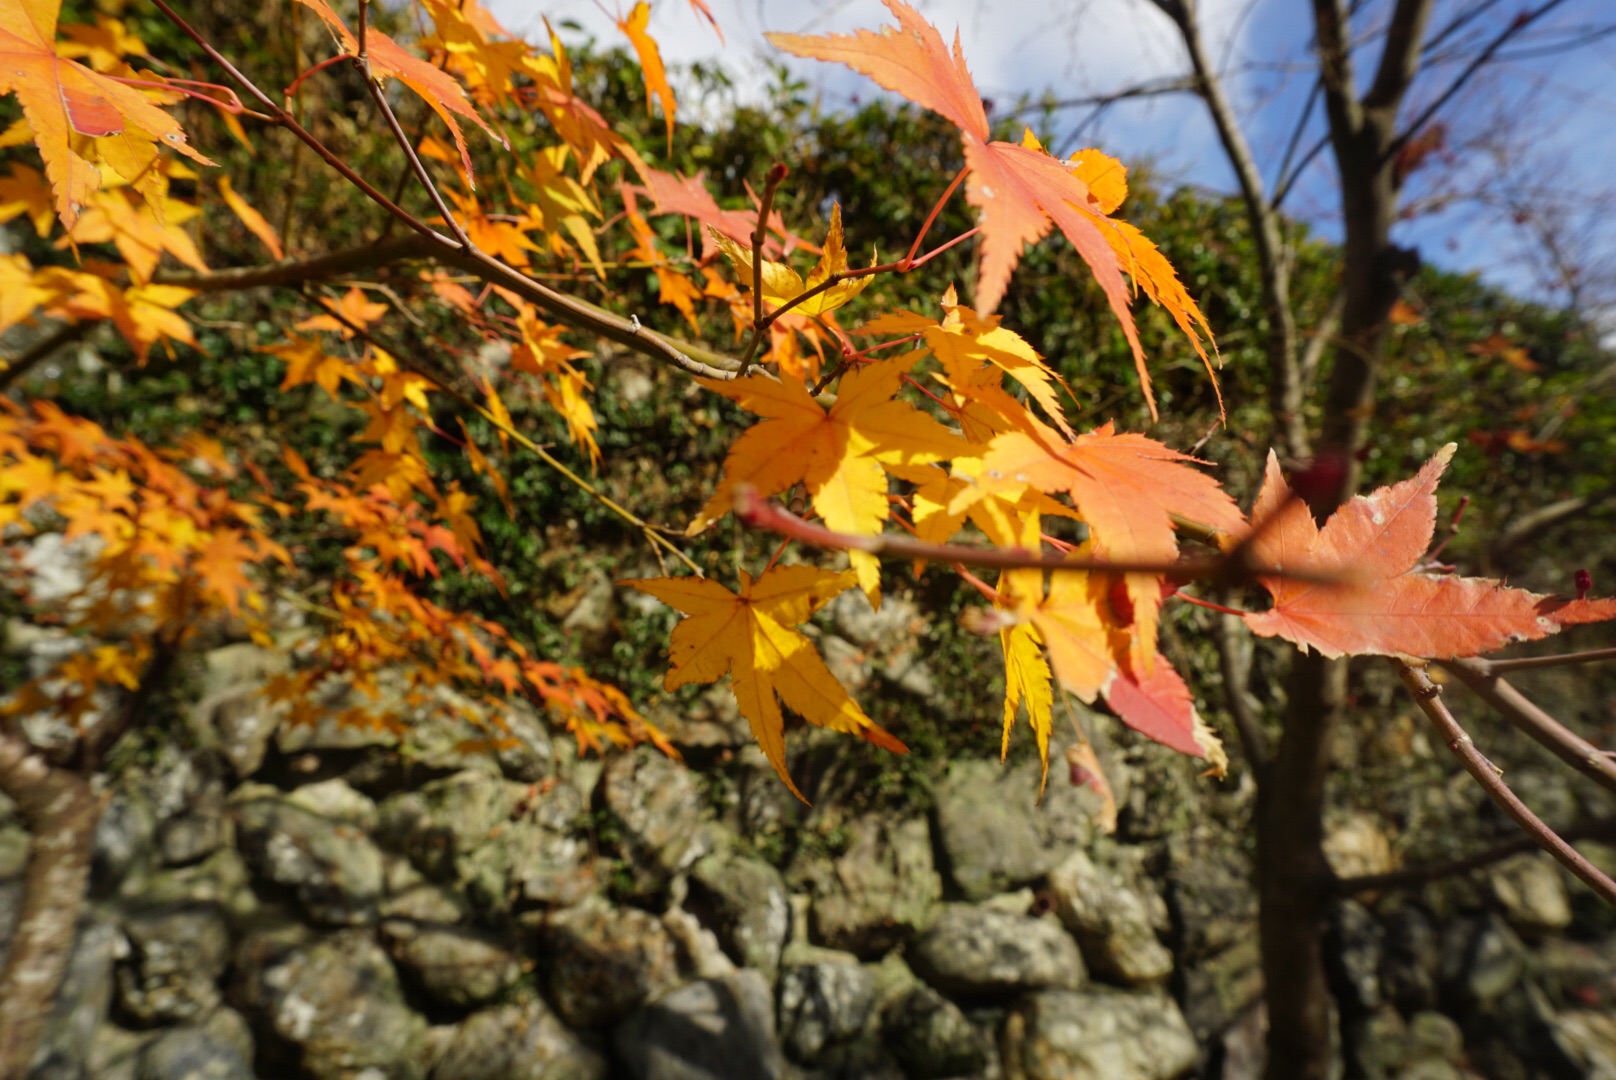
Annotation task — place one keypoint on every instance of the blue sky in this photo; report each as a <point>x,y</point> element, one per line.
<point>1531,147</point>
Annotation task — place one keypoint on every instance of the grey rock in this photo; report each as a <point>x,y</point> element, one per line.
<point>192,1053</point>
<point>712,1029</point>
<point>823,1003</point>
<point>972,950</point>
<point>1358,940</point>
<point>82,1001</point>
<point>453,965</point>
<point>125,836</point>
<point>333,868</point>
<point>1111,920</point>
<point>879,892</point>
<point>746,899</point>
<point>1411,960</point>
<point>1214,911</point>
<point>994,832</point>
<point>1588,1038</point>
<point>114,1054</point>
<point>232,714</point>
<point>932,1037</point>
<point>517,1042</point>
<point>1532,890</point>
<point>221,880</point>
<point>333,1009</point>
<point>603,961</point>
<point>337,802</point>
<point>174,963</point>
<point>1101,1035</point>
<point>496,841</point>
<point>660,812</point>
<point>1490,957</point>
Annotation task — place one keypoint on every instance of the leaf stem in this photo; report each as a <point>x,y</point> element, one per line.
<point>936,209</point>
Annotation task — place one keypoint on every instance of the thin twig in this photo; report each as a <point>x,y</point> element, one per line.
<point>1515,707</point>
<point>651,533</point>
<point>63,335</point>
<point>1528,663</point>
<point>771,184</point>
<point>1428,695</point>
<point>577,312</point>
<point>416,166</point>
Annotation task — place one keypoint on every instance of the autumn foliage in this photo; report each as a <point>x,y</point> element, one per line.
<point>942,427</point>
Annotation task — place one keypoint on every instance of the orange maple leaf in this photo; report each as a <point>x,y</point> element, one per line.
<point>61,98</point>
<point>1127,487</point>
<point>750,634</point>
<point>1020,190</point>
<point>388,59</point>
<point>671,193</point>
<point>1384,603</point>
<point>837,453</point>
<point>252,219</point>
<point>656,76</point>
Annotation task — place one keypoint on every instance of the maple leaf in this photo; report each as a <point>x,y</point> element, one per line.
<point>25,191</point>
<point>141,232</point>
<point>781,283</point>
<point>1127,487</point>
<point>837,453</point>
<point>1019,190</point>
<point>656,76</point>
<point>1383,602</point>
<point>354,306</point>
<point>671,193</point>
<point>436,87</point>
<point>252,219</point>
<point>307,362</point>
<point>969,346</point>
<point>750,635</point>
<point>61,98</point>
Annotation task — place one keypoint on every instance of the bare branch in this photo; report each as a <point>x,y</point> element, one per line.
<point>1428,695</point>
<point>1400,54</point>
<point>1284,383</point>
<point>1529,663</point>
<point>1515,707</point>
<point>1481,60</point>
<point>64,334</point>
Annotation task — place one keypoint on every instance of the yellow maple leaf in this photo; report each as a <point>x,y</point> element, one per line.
<point>62,98</point>
<point>307,361</point>
<point>781,284</point>
<point>252,219</point>
<point>837,453</point>
<point>750,635</point>
<point>970,347</point>
<point>140,231</point>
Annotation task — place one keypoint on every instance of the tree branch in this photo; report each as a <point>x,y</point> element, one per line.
<point>575,311</point>
<point>1602,829</point>
<point>1284,382</point>
<point>1428,696</point>
<point>1520,711</point>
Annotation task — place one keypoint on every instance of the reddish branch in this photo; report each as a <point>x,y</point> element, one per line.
<point>1428,695</point>
<point>1483,677</point>
<point>759,513</point>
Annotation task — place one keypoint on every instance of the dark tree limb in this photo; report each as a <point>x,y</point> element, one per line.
<point>1415,876</point>
<point>61,814</point>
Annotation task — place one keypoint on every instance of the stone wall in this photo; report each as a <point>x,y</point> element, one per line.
<point>332,904</point>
